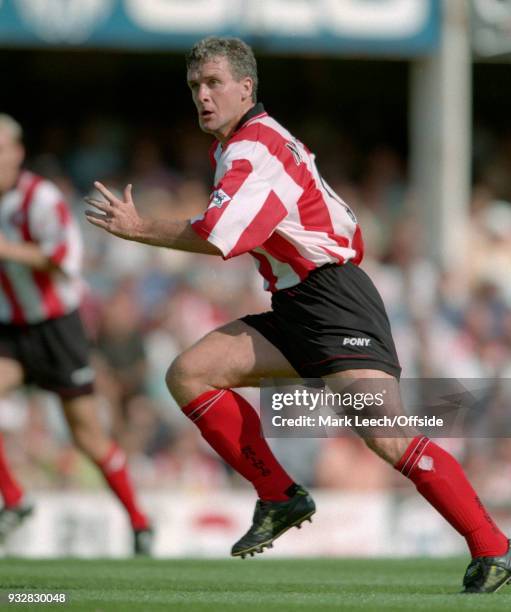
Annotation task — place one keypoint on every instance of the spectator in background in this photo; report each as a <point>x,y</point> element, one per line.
<point>98,152</point>
<point>148,167</point>
<point>41,336</point>
<point>121,349</point>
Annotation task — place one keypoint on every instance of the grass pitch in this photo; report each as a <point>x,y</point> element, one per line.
<point>410,585</point>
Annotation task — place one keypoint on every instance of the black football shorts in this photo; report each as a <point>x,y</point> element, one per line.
<point>54,354</point>
<point>332,321</point>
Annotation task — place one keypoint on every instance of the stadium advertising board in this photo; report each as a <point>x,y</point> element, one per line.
<point>204,525</point>
<point>377,27</point>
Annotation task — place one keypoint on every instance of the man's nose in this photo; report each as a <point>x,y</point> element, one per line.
<point>203,93</point>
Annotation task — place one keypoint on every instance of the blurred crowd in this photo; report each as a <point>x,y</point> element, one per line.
<point>144,305</point>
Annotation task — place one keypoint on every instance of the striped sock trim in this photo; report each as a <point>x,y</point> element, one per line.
<point>410,455</point>
<point>209,406</point>
<point>198,411</point>
<point>417,459</point>
<point>210,395</point>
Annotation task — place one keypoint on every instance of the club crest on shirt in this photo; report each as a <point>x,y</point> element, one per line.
<point>219,198</point>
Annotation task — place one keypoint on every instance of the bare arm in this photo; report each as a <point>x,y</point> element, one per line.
<point>26,253</point>
<point>120,218</point>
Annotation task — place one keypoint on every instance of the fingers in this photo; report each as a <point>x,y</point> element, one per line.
<point>96,219</point>
<point>104,191</point>
<point>127,193</point>
<point>113,211</point>
<point>99,204</point>
<point>109,195</point>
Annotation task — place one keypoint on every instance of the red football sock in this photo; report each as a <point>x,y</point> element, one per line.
<point>441,480</point>
<point>115,472</point>
<point>9,488</point>
<point>232,427</point>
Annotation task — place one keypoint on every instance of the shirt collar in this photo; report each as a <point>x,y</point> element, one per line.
<point>257,109</point>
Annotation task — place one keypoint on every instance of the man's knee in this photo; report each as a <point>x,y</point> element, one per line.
<point>185,379</point>
<point>81,436</point>
<point>225,358</point>
<point>84,434</point>
<point>178,373</point>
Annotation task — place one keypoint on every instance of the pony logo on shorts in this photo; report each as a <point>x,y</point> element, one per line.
<point>356,341</point>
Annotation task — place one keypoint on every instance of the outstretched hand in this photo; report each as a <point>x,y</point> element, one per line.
<point>119,217</point>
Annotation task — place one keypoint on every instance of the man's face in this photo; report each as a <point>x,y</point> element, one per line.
<point>221,101</point>
<point>11,158</point>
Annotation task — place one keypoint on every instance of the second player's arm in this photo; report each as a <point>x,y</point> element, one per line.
<point>26,253</point>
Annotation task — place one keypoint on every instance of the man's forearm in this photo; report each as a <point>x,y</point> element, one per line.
<point>173,235</point>
<point>120,218</point>
<point>28,254</point>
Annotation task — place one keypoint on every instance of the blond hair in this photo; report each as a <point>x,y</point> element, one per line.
<point>12,126</point>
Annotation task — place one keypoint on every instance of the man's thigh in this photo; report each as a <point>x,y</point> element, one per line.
<point>235,355</point>
<point>11,374</point>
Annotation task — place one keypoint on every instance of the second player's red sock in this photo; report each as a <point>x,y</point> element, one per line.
<point>9,488</point>
<point>441,480</point>
<point>115,471</point>
<point>232,427</point>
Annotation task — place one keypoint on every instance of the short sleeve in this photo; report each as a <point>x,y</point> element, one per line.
<point>51,226</point>
<point>243,211</point>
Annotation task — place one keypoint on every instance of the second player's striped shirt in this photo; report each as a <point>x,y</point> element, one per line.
<point>269,200</point>
<point>34,211</point>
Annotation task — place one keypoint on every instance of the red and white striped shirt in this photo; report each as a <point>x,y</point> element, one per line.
<point>269,200</point>
<point>35,211</point>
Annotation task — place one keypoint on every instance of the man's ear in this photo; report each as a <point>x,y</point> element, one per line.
<point>20,153</point>
<point>247,87</point>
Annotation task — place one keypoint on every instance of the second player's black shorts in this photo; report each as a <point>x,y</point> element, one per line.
<point>332,321</point>
<point>54,354</point>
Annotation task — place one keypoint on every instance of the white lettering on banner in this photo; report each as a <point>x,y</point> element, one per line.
<point>380,19</point>
<point>179,16</point>
<point>292,17</point>
<point>70,21</point>
<point>354,18</point>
